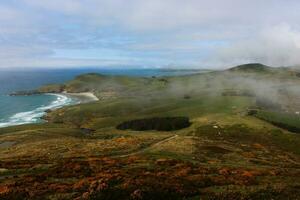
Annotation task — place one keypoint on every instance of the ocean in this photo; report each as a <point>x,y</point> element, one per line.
<point>16,110</point>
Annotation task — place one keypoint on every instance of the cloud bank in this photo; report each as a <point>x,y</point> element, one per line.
<point>192,33</point>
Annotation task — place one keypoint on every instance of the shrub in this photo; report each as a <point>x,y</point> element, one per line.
<point>157,123</point>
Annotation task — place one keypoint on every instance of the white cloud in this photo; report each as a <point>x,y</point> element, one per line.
<point>210,33</point>
<point>173,14</point>
<point>7,14</point>
<point>275,46</point>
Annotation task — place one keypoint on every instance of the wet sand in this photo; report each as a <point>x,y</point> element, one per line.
<point>83,97</point>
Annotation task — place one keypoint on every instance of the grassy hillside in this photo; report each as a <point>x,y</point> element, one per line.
<point>231,150</point>
<point>253,67</point>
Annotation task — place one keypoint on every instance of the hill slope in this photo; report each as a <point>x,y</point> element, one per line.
<point>252,67</point>
<point>231,150</point>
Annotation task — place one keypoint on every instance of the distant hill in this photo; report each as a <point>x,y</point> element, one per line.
<point>252,67</point>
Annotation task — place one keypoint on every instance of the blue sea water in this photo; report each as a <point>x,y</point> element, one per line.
<point>16,110</point>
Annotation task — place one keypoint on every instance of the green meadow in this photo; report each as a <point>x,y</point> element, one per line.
<point>235,147</point>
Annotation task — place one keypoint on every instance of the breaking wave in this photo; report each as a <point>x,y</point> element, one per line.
<point>35,115</point>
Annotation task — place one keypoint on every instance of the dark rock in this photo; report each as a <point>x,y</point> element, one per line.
<point>48,111</point>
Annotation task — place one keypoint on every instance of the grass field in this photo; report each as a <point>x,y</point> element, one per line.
<point>289,121</point>
<point>224,154</point>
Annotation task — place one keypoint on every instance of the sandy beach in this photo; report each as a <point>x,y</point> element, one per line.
<point>84,97</point>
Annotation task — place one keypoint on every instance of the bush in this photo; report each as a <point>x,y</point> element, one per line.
<point>157,123</point>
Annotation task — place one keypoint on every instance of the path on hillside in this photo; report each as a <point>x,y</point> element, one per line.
<point>146,148</point>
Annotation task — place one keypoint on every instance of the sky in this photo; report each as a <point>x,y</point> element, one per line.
<point>149,33</point>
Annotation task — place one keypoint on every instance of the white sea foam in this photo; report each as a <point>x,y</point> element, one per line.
<point>35,115</point>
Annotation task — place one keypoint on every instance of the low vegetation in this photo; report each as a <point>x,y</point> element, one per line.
<point>288,121</point>
<point>217,151</point>
<point>157,123</point>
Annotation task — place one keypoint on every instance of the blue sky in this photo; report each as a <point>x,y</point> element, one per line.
<point>156,33</point>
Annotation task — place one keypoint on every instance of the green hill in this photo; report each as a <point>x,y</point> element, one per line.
<point>241,141</point>
<point>252,67</point>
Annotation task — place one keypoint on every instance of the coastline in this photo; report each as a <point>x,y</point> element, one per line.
<point>36,115</point>
<point>83,97</point>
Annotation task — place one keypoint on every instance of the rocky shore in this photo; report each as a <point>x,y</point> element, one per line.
<point>82,96</point>
<point>26,93</point>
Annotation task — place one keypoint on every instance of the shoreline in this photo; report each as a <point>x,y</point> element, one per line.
<point>83,97</point>
<point>37,115</point>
